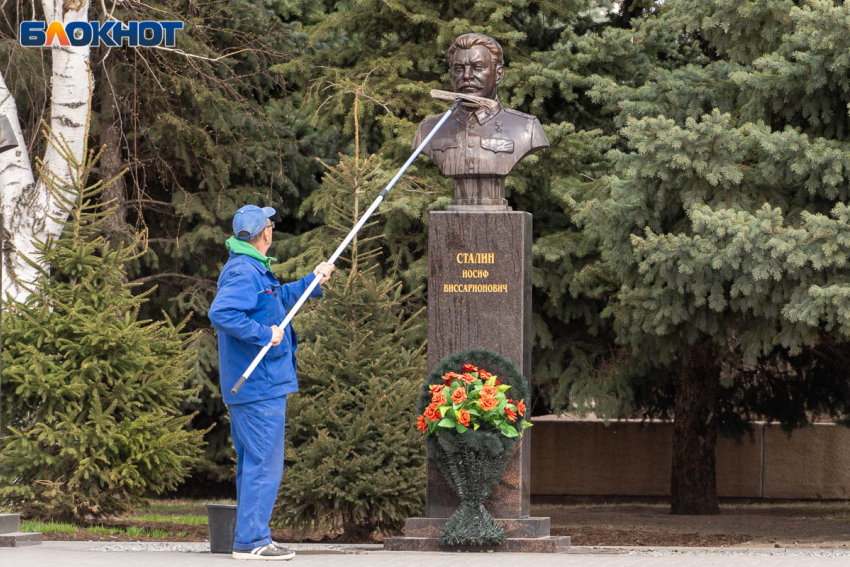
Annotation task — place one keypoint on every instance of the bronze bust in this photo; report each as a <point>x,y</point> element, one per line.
<point>476,147</point>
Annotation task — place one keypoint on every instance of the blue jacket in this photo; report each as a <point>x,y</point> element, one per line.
<point>248,302</point>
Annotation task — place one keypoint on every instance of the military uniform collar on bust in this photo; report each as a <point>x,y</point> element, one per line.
<point>482,114</point>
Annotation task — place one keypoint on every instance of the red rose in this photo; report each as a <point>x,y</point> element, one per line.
<point>511,414</point>
<point>421,424</point>
<point>459,396</point>
<point>484,375</point>
<point>488,403</point>
<point>497,383</point>
<point>467,378</point>
<point>437,388</point>
<point>469,368</point>
<point>463,418</point>
<point>520,406</point>
<point>432,413</point>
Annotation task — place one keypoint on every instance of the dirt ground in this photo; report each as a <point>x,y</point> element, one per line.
<point>751,525</point>
<point>825,525</point>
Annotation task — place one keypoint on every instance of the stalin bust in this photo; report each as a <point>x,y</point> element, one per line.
<point>476,147</point>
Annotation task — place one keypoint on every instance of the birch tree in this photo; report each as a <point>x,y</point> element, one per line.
<point>27,205</point>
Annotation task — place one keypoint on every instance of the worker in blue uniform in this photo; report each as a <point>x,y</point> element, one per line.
<point>249,304</point>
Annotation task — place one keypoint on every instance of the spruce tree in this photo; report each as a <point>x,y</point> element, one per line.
<point>354,459</point>
<point>91,391</point>
<point>721,231</point>
<point>595,44</point>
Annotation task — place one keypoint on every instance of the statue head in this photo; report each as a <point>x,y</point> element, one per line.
<point>476,65</point>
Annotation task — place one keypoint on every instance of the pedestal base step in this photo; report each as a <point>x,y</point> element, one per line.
<point>514,527</point>
<point>19,539</point>
<point>548,544</point>
<point>9,523</point>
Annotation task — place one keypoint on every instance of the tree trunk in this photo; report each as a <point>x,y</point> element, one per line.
<point>27,203</point>
<point>111,163</point>
<point>694,475</point>
<point>17,183</point>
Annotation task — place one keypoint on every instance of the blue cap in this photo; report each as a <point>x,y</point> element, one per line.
<point>250,220</point>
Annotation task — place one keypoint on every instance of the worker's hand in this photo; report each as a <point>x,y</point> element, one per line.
<point>324,271</point>
<point>277,335</point>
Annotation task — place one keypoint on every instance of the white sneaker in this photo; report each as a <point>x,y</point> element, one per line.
<point>268,552</point>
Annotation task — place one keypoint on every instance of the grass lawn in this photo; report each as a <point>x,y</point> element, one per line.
<point>48,527</point>
<point>188,519</point>
<point>171,520</point>
<point>55,528</point>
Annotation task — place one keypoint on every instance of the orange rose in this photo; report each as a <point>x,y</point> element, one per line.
<point>520,406</point>
<point>432,413</point>
<point>488,403</point>
<point>437,388</point>
<point>489,391</point>
<point>459,396</point>
<point>511,414</point>
<point>463,418</point>
<point>470,368</point>
<point>421,424</point>
<point>449,377</point>
<point>439,399</point>
<point>483,374</point>
<point>468,378</point>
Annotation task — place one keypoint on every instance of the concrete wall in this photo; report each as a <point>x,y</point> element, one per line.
<point>589,458</point>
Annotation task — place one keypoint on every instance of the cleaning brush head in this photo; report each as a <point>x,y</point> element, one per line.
<point>468,100</point>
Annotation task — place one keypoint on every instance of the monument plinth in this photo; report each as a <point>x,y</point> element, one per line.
<point>479,296</point>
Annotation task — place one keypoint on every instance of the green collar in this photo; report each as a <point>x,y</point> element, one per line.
<point>241,247</point>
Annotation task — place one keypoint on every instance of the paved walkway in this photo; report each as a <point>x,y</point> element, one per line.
<point>91,554</point>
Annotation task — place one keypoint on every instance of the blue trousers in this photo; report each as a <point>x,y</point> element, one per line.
<point>257,429</point>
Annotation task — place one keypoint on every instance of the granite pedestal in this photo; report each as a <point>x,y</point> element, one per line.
<point>11,534</point>
<point>479,296</point>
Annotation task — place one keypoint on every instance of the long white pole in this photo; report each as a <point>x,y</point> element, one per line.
<point>341,248</point>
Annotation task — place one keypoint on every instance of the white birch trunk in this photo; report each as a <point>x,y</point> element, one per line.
<point>25,200</point>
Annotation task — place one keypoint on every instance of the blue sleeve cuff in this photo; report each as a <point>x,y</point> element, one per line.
<point>266,336</point>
